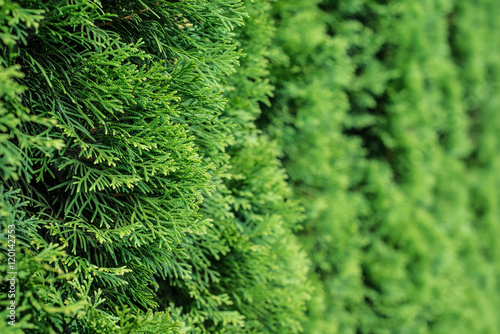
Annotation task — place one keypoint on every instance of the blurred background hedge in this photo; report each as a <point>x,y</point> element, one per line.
<point>387,115</point>
<point>232,166</point>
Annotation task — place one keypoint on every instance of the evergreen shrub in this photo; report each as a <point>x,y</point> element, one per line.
<point>143,197</point>
<point>141,153</point>
<point>384,124</point>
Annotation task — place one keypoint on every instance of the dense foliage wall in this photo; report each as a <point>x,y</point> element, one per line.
<point>141,154</point>
<point>137,179</point>
<point>385,113</point>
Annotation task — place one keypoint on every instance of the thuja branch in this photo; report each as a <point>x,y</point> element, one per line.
<point>128,17</point>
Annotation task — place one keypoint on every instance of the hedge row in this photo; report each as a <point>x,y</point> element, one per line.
<point>141,154</point>
<point>387,117</point>
<point>137,179</point>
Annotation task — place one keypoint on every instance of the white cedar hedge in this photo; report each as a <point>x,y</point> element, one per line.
<point>141,154</point>
<point>386,117</point>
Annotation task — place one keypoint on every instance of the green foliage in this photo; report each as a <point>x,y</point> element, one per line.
<point>146,127</point>
<point>38,276</point>
<point>14,142</point>
<point>247,273</point>
<point>381,138</point>
<point>141,152</point>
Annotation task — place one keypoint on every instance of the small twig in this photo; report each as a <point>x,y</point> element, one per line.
<point>128,17</point>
